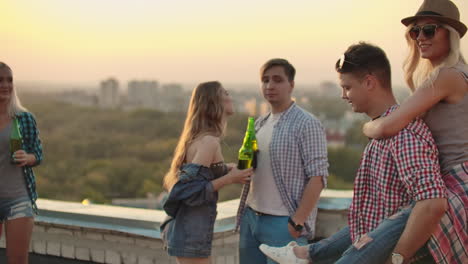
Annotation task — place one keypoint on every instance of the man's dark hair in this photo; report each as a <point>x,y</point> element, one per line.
<point>288,68</point>
<point>364,58</point>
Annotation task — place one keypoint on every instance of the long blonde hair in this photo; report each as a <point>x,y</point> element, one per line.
<point>420,71</point>
<point>205,115</point>
<point>14,105</point>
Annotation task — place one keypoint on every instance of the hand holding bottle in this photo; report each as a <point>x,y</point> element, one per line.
<point>21,158</point>
<point>249,148</point>
<point>236,175</point>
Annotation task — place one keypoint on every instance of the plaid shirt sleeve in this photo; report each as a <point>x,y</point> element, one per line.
<point>417,162</point>
<point>31,144</point>
<point>30,133</point>
<point>313,150</point>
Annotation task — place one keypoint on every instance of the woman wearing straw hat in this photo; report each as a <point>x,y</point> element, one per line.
<point>437,73</point>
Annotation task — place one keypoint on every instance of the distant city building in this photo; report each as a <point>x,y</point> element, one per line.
<point>143,94</point>
<point>246,101</point>
<point>109,93</point>
<point>264,108</point>
<point>78,97</point>
<point>250,107</point>
<point>304,100</point>
<point>173,98</point>
<point>329,89</point>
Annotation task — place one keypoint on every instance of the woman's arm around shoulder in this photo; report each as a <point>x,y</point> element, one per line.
<point>424,98</point>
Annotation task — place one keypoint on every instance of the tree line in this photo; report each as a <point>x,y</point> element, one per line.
<point>101,154</point>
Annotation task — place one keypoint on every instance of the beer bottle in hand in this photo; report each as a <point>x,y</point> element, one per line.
<point>15,139</point>
<point>251,128</point>
<point>246,152</point>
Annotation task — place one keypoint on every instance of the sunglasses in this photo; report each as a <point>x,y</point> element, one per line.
<point>428,30</point>
<point>343,60</point>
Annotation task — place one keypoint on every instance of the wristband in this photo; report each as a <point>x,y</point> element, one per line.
<point>296,227</point>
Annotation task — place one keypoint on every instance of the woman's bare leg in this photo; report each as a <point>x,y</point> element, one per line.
<point>193,260</point>
<point>18,236</point>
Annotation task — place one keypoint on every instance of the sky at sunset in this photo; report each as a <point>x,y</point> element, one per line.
<point>189,41</point>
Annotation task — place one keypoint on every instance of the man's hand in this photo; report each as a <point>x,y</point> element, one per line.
<point>309,200</point>
<point>293,231</point>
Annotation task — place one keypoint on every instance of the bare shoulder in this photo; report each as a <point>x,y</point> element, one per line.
<point>207,142</point>
<point>453,82</point>
<point>209,139</point>
<point>203,150</point>
<point>451,76</point>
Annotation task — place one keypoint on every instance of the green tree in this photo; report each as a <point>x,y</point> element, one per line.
<point>101,154</point>
<point>344,163</point>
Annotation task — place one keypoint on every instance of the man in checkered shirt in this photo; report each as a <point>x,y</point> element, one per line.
<point>399,195</point>
<point>280,202</point>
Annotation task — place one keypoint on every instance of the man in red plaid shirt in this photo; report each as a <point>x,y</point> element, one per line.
<point>399,195</point>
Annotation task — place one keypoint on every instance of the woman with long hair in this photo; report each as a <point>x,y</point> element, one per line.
<point>17,180</point>
<point>196,174</point>
<point>437,74</point>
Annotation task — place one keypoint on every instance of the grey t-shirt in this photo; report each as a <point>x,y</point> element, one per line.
<point>449,126</point>
<point>12,182</point>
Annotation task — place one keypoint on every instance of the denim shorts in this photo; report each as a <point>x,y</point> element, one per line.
<point>15,208</point>
<point>190,234</point>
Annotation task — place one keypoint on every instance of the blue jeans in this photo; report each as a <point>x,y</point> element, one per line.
<point>339,249</point>
<point>256,229</point>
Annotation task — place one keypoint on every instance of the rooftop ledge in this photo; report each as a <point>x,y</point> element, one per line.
<point>145,222</point>
<point>73,233</point>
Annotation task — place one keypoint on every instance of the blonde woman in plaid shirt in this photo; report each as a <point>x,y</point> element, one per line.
<point>17,184</point>
<point>437,73</point>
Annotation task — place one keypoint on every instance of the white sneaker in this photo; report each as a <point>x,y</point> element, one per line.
<point>283,255</point>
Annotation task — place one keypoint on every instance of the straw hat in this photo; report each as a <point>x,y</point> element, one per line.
<point>441,10</point>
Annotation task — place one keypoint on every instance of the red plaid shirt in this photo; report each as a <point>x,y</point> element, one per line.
<point>393,173</point>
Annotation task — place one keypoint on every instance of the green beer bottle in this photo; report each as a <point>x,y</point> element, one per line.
<point>247,151</point>
<point>253,139</point>
<point>16,141</point>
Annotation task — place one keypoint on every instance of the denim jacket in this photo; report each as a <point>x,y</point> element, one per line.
<point>191,210</point>
<point>193,188</point>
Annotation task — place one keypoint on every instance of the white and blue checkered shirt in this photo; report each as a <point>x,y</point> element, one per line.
<point>298,151</point>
